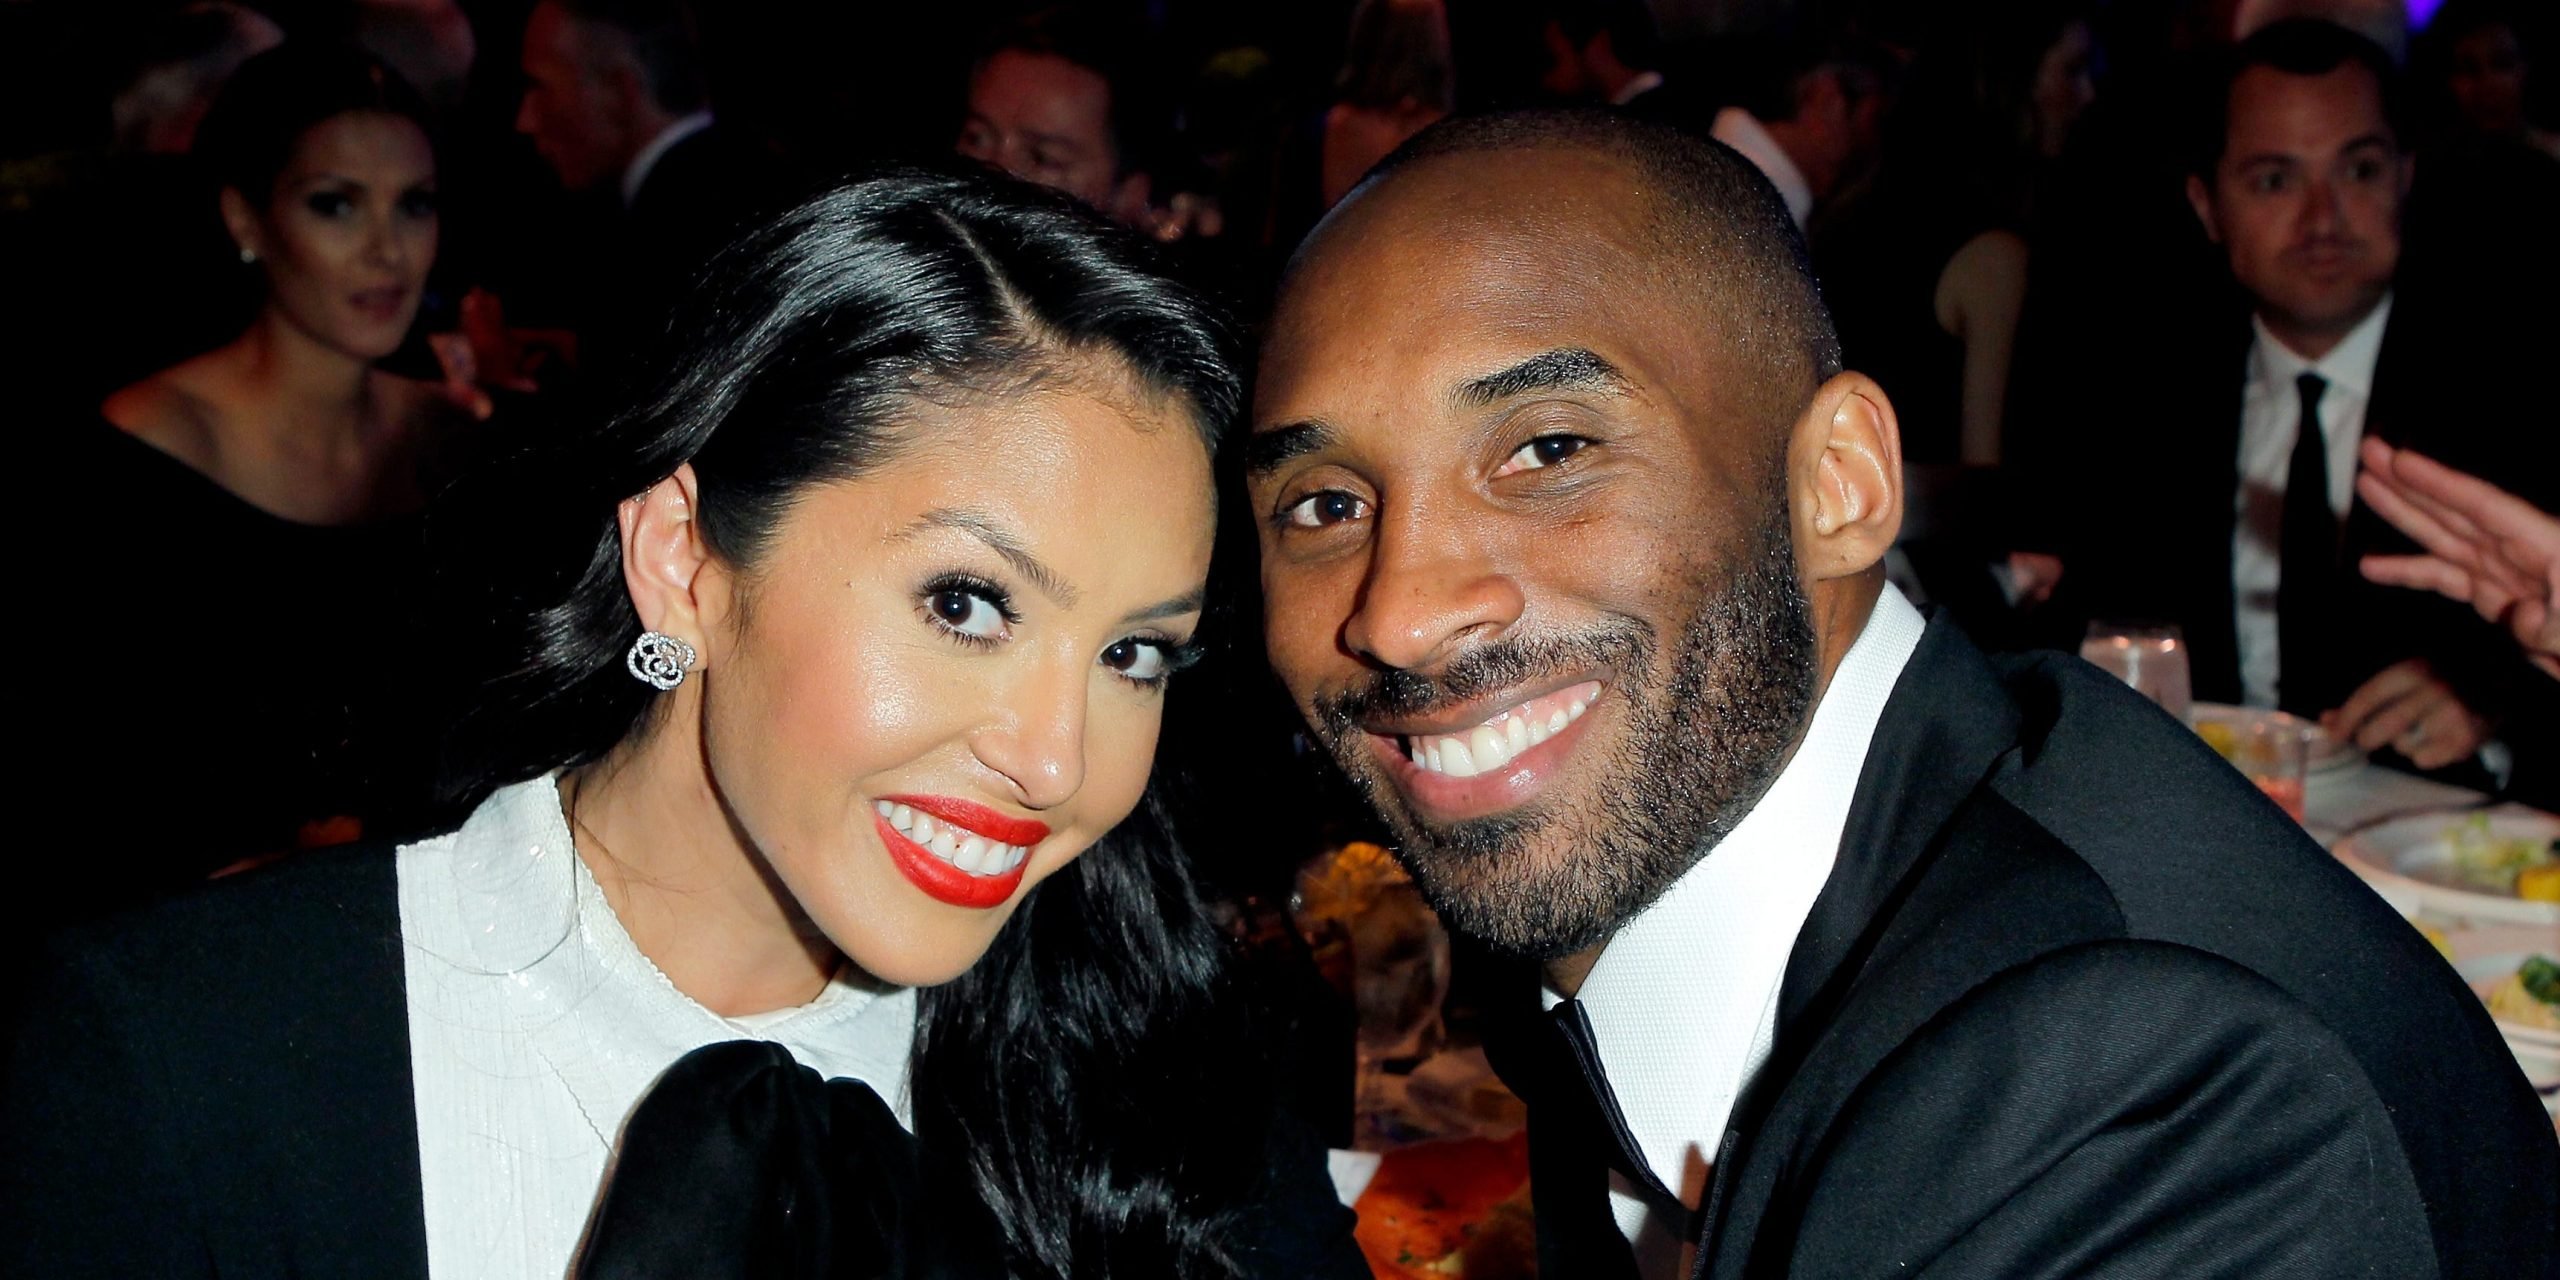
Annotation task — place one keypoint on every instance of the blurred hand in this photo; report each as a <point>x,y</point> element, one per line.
<point>461,385</point>
<point>2410,709</point>
<point>1186,216</point>
<point>2036,574</point>
<point>2484,546</point>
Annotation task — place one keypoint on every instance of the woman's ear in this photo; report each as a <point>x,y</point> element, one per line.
<point>1847,479</point>
<point>241,220</point>
<point>665,563</point>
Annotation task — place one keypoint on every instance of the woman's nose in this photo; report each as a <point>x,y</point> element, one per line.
<point>1037,742</point>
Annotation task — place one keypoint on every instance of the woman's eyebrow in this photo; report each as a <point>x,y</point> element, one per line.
<point>1188,602</point>
<point>991,531</point>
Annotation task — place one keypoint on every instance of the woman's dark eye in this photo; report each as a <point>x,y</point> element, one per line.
<point>1317,510</point>
<point>1144,661</point>
<point>1545,451</point>
<point>419,204</point>
<point>329,204</point>
<point>967,613</point>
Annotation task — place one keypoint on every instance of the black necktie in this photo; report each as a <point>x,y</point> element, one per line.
<point>2307,588</point>
<point>1576,1136</point>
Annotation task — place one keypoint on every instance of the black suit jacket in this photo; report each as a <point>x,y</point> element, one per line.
<point>2077,1000</point>
<point>220,1086</point>
<point>2152,468</point>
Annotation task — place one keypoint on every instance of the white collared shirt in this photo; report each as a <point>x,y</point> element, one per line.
<point>2270,418</point>
<point>1714,948</point>
<point>637,174</point>
<point>535,1025</point>
<point>1742,131</point>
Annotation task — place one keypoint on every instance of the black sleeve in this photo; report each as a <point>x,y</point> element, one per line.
<point>1298,1227</point>
<point>92,1182</point>
<point>2049,1126</point>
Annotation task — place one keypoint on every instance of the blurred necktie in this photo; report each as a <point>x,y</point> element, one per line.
<point>2306,591</point>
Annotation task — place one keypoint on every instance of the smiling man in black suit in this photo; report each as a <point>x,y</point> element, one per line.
<point>1860,952</point>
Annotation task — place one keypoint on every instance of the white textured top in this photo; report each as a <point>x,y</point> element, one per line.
<point>2270,419</point>
<point>1684,998</point>
<point>535,1026</point>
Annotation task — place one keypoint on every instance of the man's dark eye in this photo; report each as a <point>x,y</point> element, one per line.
<point>1545,451</point>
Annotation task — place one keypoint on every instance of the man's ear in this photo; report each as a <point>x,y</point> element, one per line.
<point>2200,199</point>
<point>675,584</point>
<point>1845,470</point>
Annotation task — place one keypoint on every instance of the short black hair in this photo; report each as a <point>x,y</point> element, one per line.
<point>1109,47</point>
<point>1724,232</point>
<point>1633,35</point>
<point>662,40</point>
<point>2298,47</point>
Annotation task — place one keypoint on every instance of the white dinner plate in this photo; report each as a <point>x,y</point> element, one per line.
<point>2326,753</point>
<point>2485,957</point>
<point>2413,853</point>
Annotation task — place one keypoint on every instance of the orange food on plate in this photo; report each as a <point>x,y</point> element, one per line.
<point>1429,1202</point>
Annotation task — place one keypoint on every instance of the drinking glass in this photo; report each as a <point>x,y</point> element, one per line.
<point>2150,656</point>
<point>2275,751</point>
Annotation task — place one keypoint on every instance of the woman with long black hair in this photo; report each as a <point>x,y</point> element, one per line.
<point>833,665</point>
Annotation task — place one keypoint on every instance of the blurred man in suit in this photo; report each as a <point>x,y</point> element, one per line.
<point>616,102</point>
<point>2233,447</point>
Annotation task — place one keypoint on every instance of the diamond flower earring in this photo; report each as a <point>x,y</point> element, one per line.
<point>659,660</point>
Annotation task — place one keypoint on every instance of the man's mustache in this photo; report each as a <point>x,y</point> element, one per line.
<point>1489,668</point>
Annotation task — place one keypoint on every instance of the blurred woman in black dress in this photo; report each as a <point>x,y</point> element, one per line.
<point>249,677</point>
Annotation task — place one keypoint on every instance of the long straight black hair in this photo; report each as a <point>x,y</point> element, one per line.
<point>1053,1063</point>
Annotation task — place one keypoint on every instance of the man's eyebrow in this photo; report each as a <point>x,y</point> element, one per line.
<point>987,529</point>
<point>1264,451</point>
<point>1561,369</point>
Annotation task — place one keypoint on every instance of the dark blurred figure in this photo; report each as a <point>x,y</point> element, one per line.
<point>253,673</point>
<point>183,63</point>
<point>1602,52</point>
<point>1396,79</point>
<point>2475,54</point>
<point>615,102</point>
<point>1062,98</point>
<point>1808,110</point>
<point>429,42</point>
<point>129,224</point>
<point>2215,462</point>
<point>1927,273</point>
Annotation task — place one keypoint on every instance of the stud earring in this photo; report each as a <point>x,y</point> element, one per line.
<point>659,660</point>
<point>248,255</point>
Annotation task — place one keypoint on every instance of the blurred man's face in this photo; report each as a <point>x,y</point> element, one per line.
<point>573,108</point>
<point>2306,200</point>
<point>1044,119</point>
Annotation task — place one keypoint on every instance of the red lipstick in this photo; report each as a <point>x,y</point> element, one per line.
<point>942,881</point>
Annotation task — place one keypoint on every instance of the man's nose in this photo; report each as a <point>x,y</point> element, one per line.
<point>1430,589</point>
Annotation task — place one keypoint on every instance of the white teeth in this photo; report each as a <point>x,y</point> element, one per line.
<point>1496,742</point>
<point>902,818</point>
<point>946,846</point>
<point>972,856</point>
<point>962,848</point>
<point>922,832</point>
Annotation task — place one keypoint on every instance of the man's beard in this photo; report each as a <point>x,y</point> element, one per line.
<point>1559,876</point>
